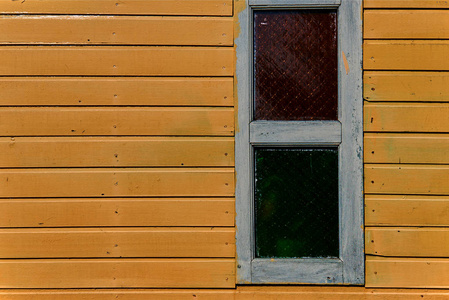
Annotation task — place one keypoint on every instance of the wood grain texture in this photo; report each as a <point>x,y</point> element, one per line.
<point>418,55</point>
<point>240,293</point>
<point>407,242</point>
<point>351,175</point>
<point>116,152</point>
<point>116,182</point>
<point>406,24</point>
<point>407,272</point>
<point>406,86</point>
<point>406,117</point>
<point>388,210</point>
<point>407,179</point>
<point>406,148</point>
<point>75,212</point>
<point>334,293</point>
<point>109,273</point>
<point>406,4</point>
<point>299,133</point>
<point>118,30</point>
<point>84,91</point>
<point>117,242</point>
<point>126,7</point>
<point>116,121</point>
<point>116,61</point>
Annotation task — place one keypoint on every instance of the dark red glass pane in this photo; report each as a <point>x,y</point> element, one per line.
<point>295,65</point>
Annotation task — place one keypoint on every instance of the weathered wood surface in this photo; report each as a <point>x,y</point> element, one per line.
<point>407,272</point>
<point>386,210</point>
<point>116,152</point>
<point>85,212</point>
<point>406,148</point>
<point>116,61</point>
<point>241,293</point>
<point>141,91</point>
<point>109,273</point>
<point>407,179</point>
<point>116,121</point>
<point>407,241</point>
<point>116,182</point>
<point>406,117</point>
<point>406,24</point>
<point>118,30</point>
<point>420,55</point>
<point>334,293</point>
<point>406,86</point>
<point>122,7</point>
<point>406,4</point>
<point>117,242</point>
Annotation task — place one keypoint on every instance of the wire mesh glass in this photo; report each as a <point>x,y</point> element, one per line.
<point>296,202</point>
<point>295,65</point>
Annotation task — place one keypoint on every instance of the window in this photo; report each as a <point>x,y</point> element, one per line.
<point>299,161</point>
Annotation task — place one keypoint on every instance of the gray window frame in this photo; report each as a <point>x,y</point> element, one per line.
<point>346,133</point>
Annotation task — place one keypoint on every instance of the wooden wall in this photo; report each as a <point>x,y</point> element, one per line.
<point>406,91</point>
<point>117,127</point>
<point>116,173</point>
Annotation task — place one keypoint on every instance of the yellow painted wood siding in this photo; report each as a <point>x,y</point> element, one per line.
<point>116,30</point>
<point>406,4</point>
<point>406,150</point>
<point>116,61</point>
<point>116,91</point>
<point>405,210</point>
<point>86,67</point>
<point>117,273</point>
<point>122,7</point>
<point>93,212</point>
<point>241,293</point>
<point>88,121</point>
<point>117,137</point>
<point>113,151</point>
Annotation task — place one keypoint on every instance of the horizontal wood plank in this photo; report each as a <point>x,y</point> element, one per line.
<point>126,7</point>
<point>407,179</point>
<point>240,293</point>
<point>389,210</point>
<point>406,55</point>
<point>116,152</point>
<point>406,117</point>
<point>406,148</point>
<point>108,273</point>
<point>407,272</point>
<point>333,293</point>
<point>75,212</point>
<point>406,86</point>
<point>119,30</point>
<point>117,242</point>
<point>406,24</point>
<point>83,91</point>
<point>407,242</point>
<point>116,121</point>
<point>116,61</point>
<point>122,294</point>
<point>405,4</point>
<point>116,182</point>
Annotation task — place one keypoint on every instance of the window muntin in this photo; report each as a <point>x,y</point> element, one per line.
<point>344,133</point>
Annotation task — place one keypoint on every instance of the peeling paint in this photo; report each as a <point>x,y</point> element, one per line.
<point>345,61</point>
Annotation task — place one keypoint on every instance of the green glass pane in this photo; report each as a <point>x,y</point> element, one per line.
<point>296,202</point>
